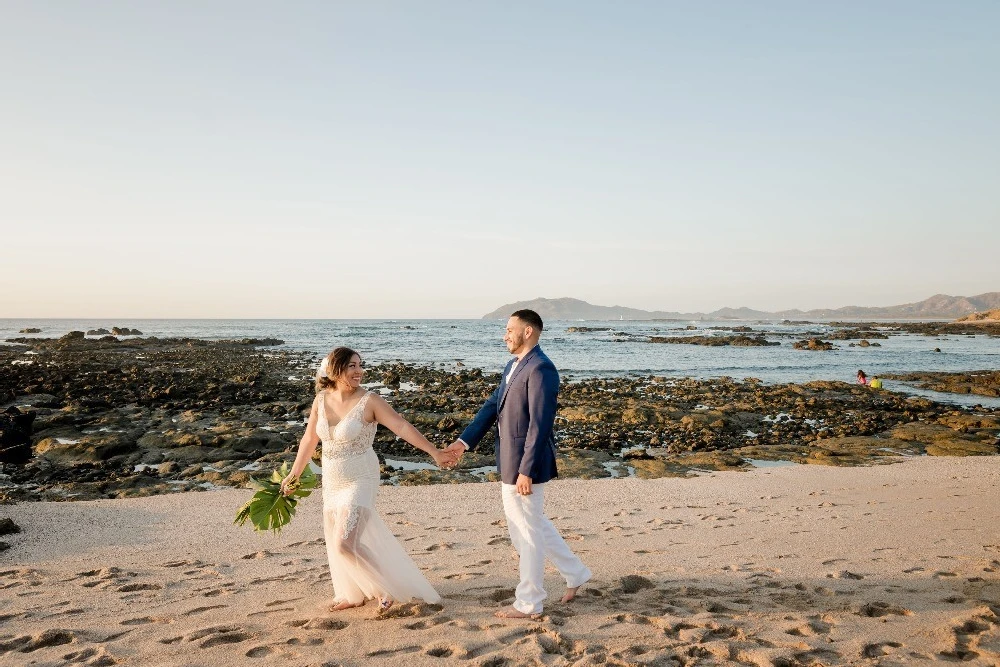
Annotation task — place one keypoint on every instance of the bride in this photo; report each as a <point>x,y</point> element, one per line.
<point>366,560</point>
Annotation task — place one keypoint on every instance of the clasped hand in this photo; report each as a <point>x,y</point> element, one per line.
<point>449,456</point>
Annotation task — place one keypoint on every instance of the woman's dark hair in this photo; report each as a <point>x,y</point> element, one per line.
<point>529,317</point>
<point>336,363</point>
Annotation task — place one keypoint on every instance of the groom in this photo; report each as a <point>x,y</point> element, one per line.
<point>523,410</point>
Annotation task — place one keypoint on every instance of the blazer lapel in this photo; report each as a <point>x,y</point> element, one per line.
<point>521,364</point>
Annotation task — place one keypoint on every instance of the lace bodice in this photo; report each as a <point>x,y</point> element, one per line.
<point>351,436</point>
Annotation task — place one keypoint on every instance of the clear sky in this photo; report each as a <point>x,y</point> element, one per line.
<point>439,159</point>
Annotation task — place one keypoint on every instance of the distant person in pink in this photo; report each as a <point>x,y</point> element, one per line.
<point>862,378</point>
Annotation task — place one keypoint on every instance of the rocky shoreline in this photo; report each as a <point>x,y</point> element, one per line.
<point>112,418</point>
<point>982,383</point>
<point>746,336</point>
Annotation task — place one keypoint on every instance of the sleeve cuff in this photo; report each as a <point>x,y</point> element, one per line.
<point>464,444</point>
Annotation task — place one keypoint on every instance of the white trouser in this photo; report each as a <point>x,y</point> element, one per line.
<point>535,539</point>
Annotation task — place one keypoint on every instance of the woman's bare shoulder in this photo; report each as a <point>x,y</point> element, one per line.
<point>375,398</point>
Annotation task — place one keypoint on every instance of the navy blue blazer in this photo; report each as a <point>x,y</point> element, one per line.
<point>523,413</point>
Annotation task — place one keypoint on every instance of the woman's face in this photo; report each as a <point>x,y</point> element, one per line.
<point>352,373</point>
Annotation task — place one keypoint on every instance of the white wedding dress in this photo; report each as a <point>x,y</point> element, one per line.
<point>366,559</point>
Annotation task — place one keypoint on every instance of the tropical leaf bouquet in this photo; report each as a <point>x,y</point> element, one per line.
<point>269,509</point>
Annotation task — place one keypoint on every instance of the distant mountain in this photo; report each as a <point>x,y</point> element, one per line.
<point>574,309</point>
<point>937,307</point>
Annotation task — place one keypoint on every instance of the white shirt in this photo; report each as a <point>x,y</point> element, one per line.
<point>512,369</point>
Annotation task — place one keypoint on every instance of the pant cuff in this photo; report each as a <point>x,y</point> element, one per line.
<point>526,608</point>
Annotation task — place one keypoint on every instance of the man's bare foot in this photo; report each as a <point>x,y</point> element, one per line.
<point>341,606</point>
<point>570,594</point>
<point>510,612</point>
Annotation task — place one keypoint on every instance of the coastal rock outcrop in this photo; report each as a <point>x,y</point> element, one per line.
<point>715,341</point>
<point>814,344</point>
<point>586,329</point>
<point>15,435</point>
<point>984,383</point>
<point>143,416</point>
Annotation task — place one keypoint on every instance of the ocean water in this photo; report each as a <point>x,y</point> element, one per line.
<point>479,343</point>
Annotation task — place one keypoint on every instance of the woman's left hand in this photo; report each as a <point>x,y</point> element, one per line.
<point>442,458</point>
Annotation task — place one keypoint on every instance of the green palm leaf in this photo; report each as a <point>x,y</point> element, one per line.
<point>268,509</point>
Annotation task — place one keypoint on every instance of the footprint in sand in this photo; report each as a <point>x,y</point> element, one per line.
<point>92,656</point>
<point>393,651</point>
<point>410,610</point>
<point>880,649</point>
<point>104,575</point>
<point>846,574</point>
<point>265,612</point>
<point>817,656</point>
<point>500,594</point>
<point>260,652</point>
<point>64,612</point>
<point>495,661</point>
<point>31,643</point>
<point>317,541</point>
<point>428,623</point>
<point>275,603</point>
<point>183,563</point>
<point>325,624</point>
<point>879,609</point>
<point>822,624</point>
<point>132,588</point>
<point>968,640</point>
<point>146,620</point>
<point>212,636</point>
<point>201,610</point>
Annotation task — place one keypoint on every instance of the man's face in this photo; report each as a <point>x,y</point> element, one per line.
<point>515,336</point>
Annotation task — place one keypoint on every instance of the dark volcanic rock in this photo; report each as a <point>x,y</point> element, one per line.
<point>814,344</point>
<point>860,333</point>
<point>30,330</point>
<point>124,331</point>
<point>15,435</point>
<point>256,342</point>
<point>984,383</point>
<point>926,328</point>
<point>586,329</point>
<point>715,341</point>
<point>98,332</point>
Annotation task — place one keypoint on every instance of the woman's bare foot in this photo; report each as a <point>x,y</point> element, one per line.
<point>570,594</point>
<point>510,612</point>
<point>341,606</point>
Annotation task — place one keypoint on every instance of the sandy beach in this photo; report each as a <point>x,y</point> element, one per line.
<point>795,565</point>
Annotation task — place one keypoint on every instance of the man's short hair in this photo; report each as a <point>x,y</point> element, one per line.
<point>529,317</point>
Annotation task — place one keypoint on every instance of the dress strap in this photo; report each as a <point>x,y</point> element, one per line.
<point>363,401</point>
